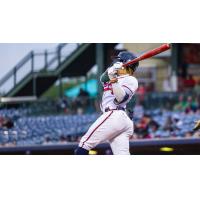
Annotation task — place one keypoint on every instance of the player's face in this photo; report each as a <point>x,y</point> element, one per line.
<point>122,72</point>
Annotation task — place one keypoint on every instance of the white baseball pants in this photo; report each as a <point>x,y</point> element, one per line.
<point>114,127</point>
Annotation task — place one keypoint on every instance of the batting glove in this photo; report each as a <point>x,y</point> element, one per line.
<point>112,71</point>
<point>117,65</point>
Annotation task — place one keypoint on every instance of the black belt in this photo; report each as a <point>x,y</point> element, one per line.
<point>118,108</point>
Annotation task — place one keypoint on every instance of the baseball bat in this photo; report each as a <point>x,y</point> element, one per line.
<point>149,54</point>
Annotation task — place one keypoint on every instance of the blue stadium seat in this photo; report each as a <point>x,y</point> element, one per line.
<point>37,130</point>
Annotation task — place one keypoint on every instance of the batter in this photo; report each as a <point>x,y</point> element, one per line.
<point>114,125</point>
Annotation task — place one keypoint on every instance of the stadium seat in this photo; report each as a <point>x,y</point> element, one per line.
<point>38,130</point>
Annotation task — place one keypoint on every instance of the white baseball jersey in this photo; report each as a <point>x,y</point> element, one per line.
<point>129,84</point>
<point>114,125</point>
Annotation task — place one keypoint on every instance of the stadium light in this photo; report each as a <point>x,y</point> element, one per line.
<point>166,149</point>
<point>92,152</point>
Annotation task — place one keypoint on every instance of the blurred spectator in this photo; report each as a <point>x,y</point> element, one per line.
<point>181,84</point>
<point>73,138</point>
<point>198,104</point>
<point>82,101</point>
<point>150,87</point>
<point>189,82</point>
<point>62,105</point>
<point>141,91</point>
<point>153,127</point>
<point>172,125</point>
<point>62,139</point>
<point>197,88</point>
<point>191,105</point>
<point>1,121</point>
<point>146,126</point>
<point>177,122</point>
<point>181,105</point>
<point>47,140</point>
<point>138,110</point>
<point>188,134</point>
<point>6,123</point>
<point>83,93</point>
<point>167,85</point>
<point>134,136</point>
<point>196,134</point>
<point>168,125</point>
<point>141,128</point>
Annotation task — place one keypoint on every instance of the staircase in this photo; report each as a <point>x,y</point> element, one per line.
<point>37,72</point>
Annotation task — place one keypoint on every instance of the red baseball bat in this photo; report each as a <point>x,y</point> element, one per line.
<point>149,54</point>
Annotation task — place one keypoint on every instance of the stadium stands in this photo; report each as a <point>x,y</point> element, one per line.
<point>39,130</point>
<point>59,129</point>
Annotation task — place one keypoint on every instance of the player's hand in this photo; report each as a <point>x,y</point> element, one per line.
<point>197,125</point>
<point>112,71</point>
<point>117,65</point>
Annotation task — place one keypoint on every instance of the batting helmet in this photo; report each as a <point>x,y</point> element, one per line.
<point>126,56</point>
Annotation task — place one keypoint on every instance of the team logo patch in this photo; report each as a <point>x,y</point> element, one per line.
<point>107,87</point>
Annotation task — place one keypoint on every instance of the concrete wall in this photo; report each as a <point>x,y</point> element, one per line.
<point>140,47</point>
<point>162,65</point>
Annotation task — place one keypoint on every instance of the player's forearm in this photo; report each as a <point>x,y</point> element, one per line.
<point>104,77</point>
<point>119,92</point>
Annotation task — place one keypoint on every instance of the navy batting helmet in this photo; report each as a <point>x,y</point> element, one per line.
<point>126,56</point>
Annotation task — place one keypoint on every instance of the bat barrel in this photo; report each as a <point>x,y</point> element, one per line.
<point>149,54</point>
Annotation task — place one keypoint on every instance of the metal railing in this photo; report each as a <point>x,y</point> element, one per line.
<point>36,62</point>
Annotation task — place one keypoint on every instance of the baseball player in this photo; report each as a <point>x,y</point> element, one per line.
<point>114,125</point>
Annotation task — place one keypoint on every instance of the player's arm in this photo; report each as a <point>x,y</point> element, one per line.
<point>130,85</point>
<point>104,78</point>
<point>117,89</point>
<point>119,92</point>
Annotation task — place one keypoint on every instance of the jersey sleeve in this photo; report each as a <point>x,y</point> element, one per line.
<point>104,77</point>
<point>130,85</point>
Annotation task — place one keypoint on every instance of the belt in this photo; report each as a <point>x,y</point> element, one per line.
<point>118,108</point>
